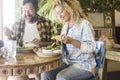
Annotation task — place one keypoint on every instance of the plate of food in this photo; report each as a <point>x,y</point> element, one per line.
<point>27,47</point>
<point>24,49</point>
<point>44,52</point>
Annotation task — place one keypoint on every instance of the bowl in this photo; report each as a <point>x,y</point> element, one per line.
<point>29,45</point>
<point>47,51</point>
<point>57,51</point>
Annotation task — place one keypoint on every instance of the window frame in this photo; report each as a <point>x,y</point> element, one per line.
<point>1,19</point>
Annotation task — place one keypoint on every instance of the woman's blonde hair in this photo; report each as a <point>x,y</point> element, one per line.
<point>72,7</point>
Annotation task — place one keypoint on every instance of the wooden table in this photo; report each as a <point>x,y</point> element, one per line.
<point>113,55</point>
<point>28,63</point>
<point>110,55</point>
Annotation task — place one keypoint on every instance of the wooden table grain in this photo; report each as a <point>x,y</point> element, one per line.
<point>113,55</point>
<point>28,63</point>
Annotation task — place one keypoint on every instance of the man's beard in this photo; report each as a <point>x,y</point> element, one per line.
<point>30,18</point>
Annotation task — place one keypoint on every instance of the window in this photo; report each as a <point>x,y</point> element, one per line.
<point>1,19</point>
<point>9,14</point>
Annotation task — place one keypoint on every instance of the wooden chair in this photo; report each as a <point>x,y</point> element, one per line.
<point>100,59</point>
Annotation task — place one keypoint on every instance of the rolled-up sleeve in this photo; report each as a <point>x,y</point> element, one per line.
<point>87,47</point>
<point>87,38</point>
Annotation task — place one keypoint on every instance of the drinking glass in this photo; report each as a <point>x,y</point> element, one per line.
<point>10,47</point>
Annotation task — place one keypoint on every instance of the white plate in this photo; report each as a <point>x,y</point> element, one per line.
<point>23,50</point>
<point>47,51</point>
<point>39,53</point>
<point>57,51</point>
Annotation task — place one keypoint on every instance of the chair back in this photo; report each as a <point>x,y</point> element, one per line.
<point>100,57</point>
<point>100,53</point>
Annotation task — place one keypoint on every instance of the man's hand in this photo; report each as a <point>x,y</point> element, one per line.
<point>36,41</point>
<point>6,31</point>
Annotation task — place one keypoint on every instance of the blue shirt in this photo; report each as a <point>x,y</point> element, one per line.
<point>82,57</point>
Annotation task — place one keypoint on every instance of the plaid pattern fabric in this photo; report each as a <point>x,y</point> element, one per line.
<point>43,25</point>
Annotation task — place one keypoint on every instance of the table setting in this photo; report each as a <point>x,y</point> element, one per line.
<point>9,48</point>
<point>52,50</point>
<point>48,51</point>
<point>44,52</point>
<point>28,60</point>
<point>24,50</point>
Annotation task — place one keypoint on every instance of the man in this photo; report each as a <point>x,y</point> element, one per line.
<point>31,28</point>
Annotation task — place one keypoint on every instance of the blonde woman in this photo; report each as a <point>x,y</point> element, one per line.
<point>78,44</point>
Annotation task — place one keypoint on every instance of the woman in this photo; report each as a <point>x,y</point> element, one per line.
<point>78,37</point>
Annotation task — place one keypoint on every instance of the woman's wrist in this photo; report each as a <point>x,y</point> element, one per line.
<point>75,42</point>
<point>71,40</point>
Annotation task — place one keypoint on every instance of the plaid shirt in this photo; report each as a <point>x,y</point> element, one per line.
<point>43,25</point>
<point>82,57</point>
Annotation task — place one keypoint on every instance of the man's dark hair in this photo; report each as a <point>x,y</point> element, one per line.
<point>34,2</point>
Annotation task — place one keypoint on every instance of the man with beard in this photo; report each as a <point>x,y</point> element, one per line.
<point>31,28</point>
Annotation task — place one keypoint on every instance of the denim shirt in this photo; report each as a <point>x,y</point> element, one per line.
<point>82,57</point>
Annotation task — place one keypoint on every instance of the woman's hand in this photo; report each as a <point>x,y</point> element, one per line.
<point>58,37</point>
<point>66,39</point>
<point>63,38</point>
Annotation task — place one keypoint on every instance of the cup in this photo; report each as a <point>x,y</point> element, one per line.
<point>10,47</point>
